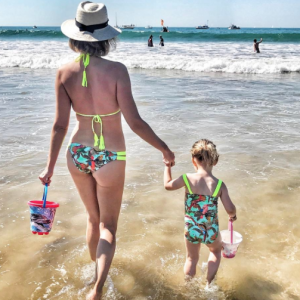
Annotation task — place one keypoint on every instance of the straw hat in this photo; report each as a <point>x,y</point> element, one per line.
<point>90,25</point>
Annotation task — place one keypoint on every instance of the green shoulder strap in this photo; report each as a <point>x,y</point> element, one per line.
<point>216,192</point>
<point>187,184</point>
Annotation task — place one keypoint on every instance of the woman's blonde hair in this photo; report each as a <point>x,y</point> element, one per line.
<point>205,151</point>
<point>101,48</point>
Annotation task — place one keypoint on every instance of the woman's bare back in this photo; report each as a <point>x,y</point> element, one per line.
<point>98,98</point>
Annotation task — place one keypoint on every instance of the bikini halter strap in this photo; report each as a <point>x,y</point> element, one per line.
<point>86,61</point>
<point>216,192</point>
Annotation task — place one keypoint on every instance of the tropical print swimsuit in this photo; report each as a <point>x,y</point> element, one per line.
<point>88,159</point>
<point>201,215</point>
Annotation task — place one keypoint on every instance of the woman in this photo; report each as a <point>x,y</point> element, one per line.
<point>150,41</point>
<point>98,90</point>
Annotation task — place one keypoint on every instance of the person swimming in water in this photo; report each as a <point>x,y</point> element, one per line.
<point>150,41</point>
<point>256,45</point>
<point>162,42</point>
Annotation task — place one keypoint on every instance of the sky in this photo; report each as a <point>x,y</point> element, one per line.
<point>176,13</point>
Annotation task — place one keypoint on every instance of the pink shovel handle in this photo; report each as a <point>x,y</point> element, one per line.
<point>230,228</point>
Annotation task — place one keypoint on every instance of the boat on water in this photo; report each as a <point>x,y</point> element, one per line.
<point>34,26</point>
<point>149,27</point>
<point>164,28</point>
<point>117,26</point>
<point>202,27</point>
<point>128,26</point>
<point>233,27</point>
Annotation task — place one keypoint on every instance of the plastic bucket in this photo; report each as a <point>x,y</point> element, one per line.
<point>231,241</point>
<point>42,214</point>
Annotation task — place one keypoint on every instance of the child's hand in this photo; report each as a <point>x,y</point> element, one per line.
<point>169,164</point>
<point>232,219</point>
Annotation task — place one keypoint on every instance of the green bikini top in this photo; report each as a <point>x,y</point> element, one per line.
<point>214,195</point>
<point>98,140</point>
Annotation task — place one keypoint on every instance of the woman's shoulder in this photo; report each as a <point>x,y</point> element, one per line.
<point>114,65</point>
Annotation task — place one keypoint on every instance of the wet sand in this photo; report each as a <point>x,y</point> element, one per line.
<point>255,123</point>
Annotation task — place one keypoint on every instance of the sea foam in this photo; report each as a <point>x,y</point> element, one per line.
<point>193,57</point>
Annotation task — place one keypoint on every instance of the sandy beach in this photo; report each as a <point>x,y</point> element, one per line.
<point>258,141</point>
<point>254,120</point>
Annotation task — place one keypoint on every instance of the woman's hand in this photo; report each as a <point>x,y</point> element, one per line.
<point>45,176</point>
<point>169,158</point>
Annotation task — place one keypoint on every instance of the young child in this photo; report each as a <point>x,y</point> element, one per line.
<point>201,207</point>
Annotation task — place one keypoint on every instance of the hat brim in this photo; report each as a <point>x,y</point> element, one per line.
<point>70,30</point>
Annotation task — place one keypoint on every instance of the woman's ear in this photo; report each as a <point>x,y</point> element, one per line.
<point>194,162</point>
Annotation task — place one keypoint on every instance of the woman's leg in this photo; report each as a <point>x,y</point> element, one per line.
<point>86,186</point>
<point>214,258</point>
<point>192,258</point>
<point>110,185</point>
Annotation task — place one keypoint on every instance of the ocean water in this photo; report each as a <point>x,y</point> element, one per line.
<point>187,49</point>
<point>218,89</point>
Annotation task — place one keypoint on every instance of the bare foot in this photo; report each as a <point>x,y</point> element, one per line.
<point>93,295</point>
<point>94,279</point>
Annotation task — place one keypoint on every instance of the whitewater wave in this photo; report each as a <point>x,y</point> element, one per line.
<point>212,57</point>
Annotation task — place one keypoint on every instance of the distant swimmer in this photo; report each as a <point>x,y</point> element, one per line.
<point>256,45</point>
<point>162,42</point>
<point>150,41</point>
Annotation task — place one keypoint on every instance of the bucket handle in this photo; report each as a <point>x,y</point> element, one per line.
<point>230,228</point>
<point>45,195</point>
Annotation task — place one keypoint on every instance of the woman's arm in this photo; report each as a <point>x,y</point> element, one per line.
<point>133,118</point>
<point>171,185</point>
<point>59,129</point>
<point>228,205</point>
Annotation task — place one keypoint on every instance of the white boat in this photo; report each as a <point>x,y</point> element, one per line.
<point>128,26</point>
<point>117,26</point>
<point>202,27</point>
<point>233,27</point>
<point>149,27</point>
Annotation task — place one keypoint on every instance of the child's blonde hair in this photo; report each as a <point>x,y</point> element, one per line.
<point>205,151</point>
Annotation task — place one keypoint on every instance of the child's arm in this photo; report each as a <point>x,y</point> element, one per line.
<point>170,184</point>
<point>228,205</point>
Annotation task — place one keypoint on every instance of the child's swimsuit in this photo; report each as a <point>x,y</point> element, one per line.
<point>88,159</point>
<point>201,215</point>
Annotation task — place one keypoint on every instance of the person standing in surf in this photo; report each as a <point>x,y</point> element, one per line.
<point>99,91</point>
<point>150,41</point>
<point>162,42</point>
<point>202,193</point>
<point>256,45</point>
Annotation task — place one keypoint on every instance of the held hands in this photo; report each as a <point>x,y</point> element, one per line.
<point>45,176</point>
<point>169,158</point>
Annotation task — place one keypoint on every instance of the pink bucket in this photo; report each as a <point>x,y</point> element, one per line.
<point>231,241</point>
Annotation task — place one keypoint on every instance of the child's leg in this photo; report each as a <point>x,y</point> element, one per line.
<point>214,258</point>
<point>192,257</point>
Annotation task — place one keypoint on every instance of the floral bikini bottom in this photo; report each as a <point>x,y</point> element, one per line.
<point>87,159</point>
